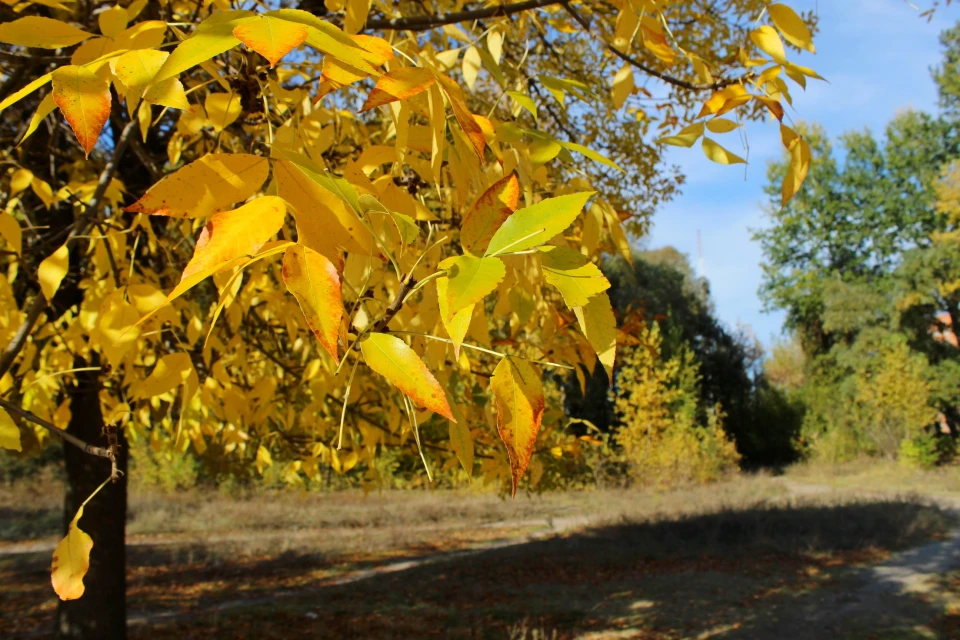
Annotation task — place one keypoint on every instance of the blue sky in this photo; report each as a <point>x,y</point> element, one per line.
<point>876,55</point>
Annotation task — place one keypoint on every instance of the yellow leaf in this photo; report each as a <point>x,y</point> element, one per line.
<point>792,26</point>
<point>315,283</point>
<point>52,270</point>
<point>206,186</point>
<point>212,37</point>
<point>20,180</point>
<point>399,84</point>
<point>623,85</point>
<point>518,396</point>
<point>461,441</point>
<point>464,118</point>
<point>356,17</point>
<point>800,156</point>
<point>116,322</point>
<point>45,108</point>
<point>42,33</point>
<point>229,237</point>
<point>171,371</point>
<point>572,274</point>
<point>534,225</point>
<point>600,327</point>
<point>487,214</point>
<point>16,96</point>
<point>222,109</point>
<point>470,279</point>
<point>169,93</point>
<point>9,433</point>
<point>401,366</point>
<point>720,155</point>
<point>271,37</point>
<point>264,459</point>
<point>71,560</point>
<point>138,68</point>
<point>768,41</point>
<point>113,21</point>
<point>686,137</point>
<point>11,232</point>
<point>84,100</point>
<point>324,223</point>
<point>495,45</point>
<point>721,125</point>
<point>471,66</point>
<point>457,324</point>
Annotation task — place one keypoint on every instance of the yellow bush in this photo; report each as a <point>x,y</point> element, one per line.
<point>660,437</point>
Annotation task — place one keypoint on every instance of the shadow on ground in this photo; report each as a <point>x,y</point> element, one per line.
<point>793,572</point>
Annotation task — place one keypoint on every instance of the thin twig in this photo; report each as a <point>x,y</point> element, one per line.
<point>67,437</point>
<point>425,23</point>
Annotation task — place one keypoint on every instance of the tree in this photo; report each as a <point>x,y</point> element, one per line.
<point>201,194</point>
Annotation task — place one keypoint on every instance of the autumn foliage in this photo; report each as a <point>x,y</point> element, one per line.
<point>299,238</point>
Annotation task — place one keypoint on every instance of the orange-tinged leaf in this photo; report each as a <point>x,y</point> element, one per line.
<point>84,100</point>
<point>489,212</point>
<point>768,41</point>
<point>399,84</point>
<point>314,282</point>
<point>720,155</point>
<point>469,125</point>
<point>42,33</point>
<point>271,37</point>
<point>518,396</point>
<point>774,106</point>
<point>792,26</point>
<point>402,367</point>
<point>206,186</point>
<point>71,560</point>
<point>51,271</point>
<point>227,239</point>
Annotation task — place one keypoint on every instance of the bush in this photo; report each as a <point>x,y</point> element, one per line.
<point>919,451</point>
<point>659,436</point>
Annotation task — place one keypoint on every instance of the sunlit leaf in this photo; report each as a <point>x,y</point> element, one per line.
<point>686,136</point>
<point>600,327</point>
<point>392,358</point>
<point>768,41</point>
<point>399,84</point>
<point>518,396</point>
<point>315,283</point>
<point>71,561</point>
<point>271,37</point>
<point>488,213</point>
<point>212,37</point>
<point>572,274</point>
<point>534,225</point>
<point>791,26</point>
<point>52,270</point>
<point>171,371</point>
<point>41,33</point>
<point>470,279</point>
<point>720,155</point>
<point>84,100</point>
<point>206,186</point>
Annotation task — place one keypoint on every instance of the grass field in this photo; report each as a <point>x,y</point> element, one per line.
<point>740,559</point>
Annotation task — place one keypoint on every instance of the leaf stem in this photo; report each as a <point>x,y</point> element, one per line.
<point>467,345</point>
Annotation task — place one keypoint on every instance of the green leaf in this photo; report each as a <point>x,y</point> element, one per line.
<point>470,279</point>
<point>518,396</point>
<point>524,101</point>
<point>457,324</point>
<point>532,226</point>
<point>402,367</point>
<point>573,274</point>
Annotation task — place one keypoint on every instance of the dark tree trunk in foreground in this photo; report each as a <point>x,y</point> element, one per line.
<point>101,612</point>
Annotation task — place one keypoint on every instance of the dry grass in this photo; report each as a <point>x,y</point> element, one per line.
<point>871,474</point>
<point>732,556</point>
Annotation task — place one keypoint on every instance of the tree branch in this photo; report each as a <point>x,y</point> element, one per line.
<point>67,437</point>
<point>425,23</point>
<point>677,82</point>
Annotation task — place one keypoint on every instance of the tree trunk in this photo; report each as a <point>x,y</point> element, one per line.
<point>101,611</point>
